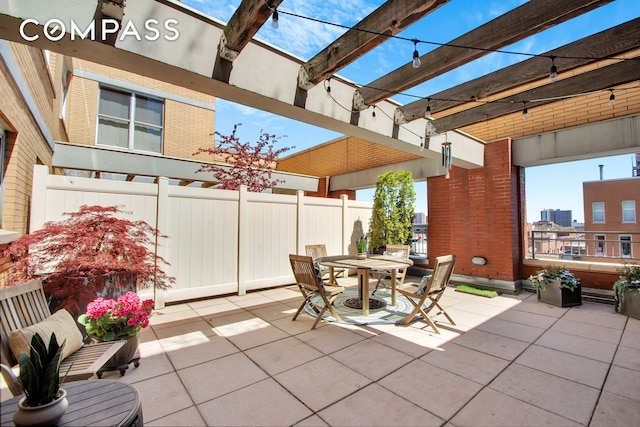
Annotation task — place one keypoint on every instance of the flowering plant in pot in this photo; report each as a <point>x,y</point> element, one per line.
<point>108,320</point>
<point>558,286</point>
<point>87,254</point>
<point>626,290</point>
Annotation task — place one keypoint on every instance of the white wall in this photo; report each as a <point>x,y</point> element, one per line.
<point>220,241</point>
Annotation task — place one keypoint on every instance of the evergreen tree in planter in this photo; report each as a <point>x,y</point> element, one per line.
<point>88,255</point>
<point>393,212</point>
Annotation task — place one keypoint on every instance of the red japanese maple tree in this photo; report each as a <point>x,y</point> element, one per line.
<point>91,242</point>
<point>245,164</point>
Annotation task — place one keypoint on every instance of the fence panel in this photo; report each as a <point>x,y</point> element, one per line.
<point>219,241</point>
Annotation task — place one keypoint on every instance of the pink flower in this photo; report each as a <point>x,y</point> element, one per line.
<point>108,319</point>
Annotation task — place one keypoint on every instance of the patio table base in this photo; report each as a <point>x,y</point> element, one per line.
<point>356,303</point>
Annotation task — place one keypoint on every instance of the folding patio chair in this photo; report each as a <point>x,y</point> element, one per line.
<point>429,291</point>
<point>383,276</point>
<point>310,285</point>
<point>318,251</point>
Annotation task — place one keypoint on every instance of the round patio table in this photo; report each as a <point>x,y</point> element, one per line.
<point>363,266</point>
<point>91,402</point>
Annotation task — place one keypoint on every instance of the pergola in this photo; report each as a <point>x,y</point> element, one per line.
<point>227,62</point>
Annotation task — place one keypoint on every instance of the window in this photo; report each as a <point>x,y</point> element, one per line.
<point>628,211</point>
<point>625,246</point>
<point>130,121</point>
<point>3,149</point>
<point>597,209</point>
<point>600,245</point>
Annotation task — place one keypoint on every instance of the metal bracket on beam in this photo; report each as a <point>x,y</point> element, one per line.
<point>358,102</point>
<point>113,8</point>
<point>225,52</point>
<point>399,117</point>
<point>303,79</point>
<point>429,129</point>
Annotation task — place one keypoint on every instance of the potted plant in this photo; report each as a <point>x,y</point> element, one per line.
<point>626,290</point>
<point>94,252</point>
<point>44,402</point>
<point>362,247</point>
<point>108,320</point>
<point>557,286</point>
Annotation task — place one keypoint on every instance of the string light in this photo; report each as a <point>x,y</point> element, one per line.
<point>427,113</point>
<point>525,111</point>
<point>415,41</point>
<point>553,73</point>
<point>612,99</point>
<point>327,87</point>
<point>421,144</point>
<point>274,19</point>
<point>373,113</point>
<point>416,55</point>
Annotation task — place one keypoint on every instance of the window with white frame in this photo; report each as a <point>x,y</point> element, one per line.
<point>625,245</point>
<point>597,210</point>
<point>130,121</point>
<point>600,245</point>
<point>628,211</point>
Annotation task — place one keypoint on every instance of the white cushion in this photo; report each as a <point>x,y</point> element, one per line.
<point>61,323</point>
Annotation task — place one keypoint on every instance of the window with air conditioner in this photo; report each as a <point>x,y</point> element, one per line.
<point>130,121</point>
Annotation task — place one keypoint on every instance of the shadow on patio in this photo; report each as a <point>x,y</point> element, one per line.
<point>509,361</point>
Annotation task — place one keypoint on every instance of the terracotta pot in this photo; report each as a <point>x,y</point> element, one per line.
<point>44,415</point>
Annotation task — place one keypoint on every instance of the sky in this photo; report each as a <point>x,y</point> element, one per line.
<point>547,187</point>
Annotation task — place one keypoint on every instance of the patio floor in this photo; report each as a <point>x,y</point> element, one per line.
<point>509,361</point>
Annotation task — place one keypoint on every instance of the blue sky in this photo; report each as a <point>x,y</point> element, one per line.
<point>548,187</point>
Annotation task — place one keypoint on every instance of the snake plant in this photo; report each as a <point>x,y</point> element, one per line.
<point>40,371</point>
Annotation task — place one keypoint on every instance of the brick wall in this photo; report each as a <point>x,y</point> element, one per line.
<point>477,212</point>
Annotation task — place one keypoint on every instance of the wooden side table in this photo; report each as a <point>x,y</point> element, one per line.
<point>101,402</point>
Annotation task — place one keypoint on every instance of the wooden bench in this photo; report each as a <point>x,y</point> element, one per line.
<point>24,305</point>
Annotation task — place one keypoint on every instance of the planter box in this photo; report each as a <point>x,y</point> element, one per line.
<point>630,305</point>
<point>560,297</point>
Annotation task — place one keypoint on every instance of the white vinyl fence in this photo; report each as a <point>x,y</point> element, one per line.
<point>220,241</point>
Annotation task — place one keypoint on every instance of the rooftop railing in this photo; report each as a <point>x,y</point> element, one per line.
<point>601,246</point>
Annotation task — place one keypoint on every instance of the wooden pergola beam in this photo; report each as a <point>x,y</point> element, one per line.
<point>243,25</point>
<point>598,79</point>
<point>387,20</point>
<point>524,21</point>
<point>607,43</point>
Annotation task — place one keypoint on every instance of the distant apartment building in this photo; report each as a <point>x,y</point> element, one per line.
<point>420,218</point>
<point>49,98</point>
<point>611,217</point>
<point>562,218</point>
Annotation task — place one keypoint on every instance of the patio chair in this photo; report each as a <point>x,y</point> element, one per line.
<point>318,251</point>
<point>384,276</point>
<point>429,291</point>
<point>24,311</point>
<point>310,285</point>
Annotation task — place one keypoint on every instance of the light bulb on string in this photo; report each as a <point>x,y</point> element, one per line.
<point>373,113</point>
<point>416,56</point>
<point>612,99</point>
<point>327,87</point>
<point>421,144</point>
<point>525,111</point>
<point>427,113</point>
<point>553,73</point>
<point>274,20</point>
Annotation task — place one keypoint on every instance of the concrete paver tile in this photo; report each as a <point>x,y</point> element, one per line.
<point>376,406</point>
<point>593,349</point>
<point>614,411</point>
<point>495,345</point>
<point>162,395</point>
<point>281,355</point>
<point>623,382</point>
<point>184,418</point>
<point>371,359</point>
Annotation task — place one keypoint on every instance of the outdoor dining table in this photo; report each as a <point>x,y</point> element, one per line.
<point>382,263</point>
